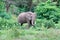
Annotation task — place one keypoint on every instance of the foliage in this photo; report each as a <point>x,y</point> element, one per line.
<point>5,15</point>
<point>41,23</point>
<point>16,10</point>
<point>49,24</point>
<point>48,16</point>
<point>7,24</point>
<point>50,34</point>
<point>3,12</point>
<point>48,10</point>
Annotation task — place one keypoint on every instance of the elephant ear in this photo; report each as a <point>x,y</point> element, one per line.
<point>28,17</point>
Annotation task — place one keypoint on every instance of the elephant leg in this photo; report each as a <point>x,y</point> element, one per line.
<point>21,24</point>
<point>33,24</point>
<point>29,24</point>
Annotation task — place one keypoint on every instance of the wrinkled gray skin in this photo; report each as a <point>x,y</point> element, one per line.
<point>27,17</point>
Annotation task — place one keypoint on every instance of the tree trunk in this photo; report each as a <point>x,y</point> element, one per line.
<point>7,7</point>
<point>29,5</point>
<point>7,2</point>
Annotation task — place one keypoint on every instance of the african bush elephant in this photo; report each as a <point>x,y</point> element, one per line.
<point>27,17</point>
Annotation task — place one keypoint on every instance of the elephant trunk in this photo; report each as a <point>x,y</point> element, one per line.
<point>32,23</point>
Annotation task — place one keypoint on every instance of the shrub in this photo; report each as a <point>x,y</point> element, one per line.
<point>7,24</point>
<point>5,15</point>
<point>43,23</point>
<point>48,10</point>
<point>16,10</point>
<point>49,24</point>
<point>3,12</point>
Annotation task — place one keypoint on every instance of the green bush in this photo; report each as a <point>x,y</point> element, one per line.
<point>5,15</point>
<point>3,12</point>
<point>48,10</point>
<point>7,24</point>
<point>49,24</point>
<point>43,23</point>
<point>16,10</point>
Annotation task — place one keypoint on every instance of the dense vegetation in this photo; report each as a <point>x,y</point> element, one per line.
<point>47,26</point>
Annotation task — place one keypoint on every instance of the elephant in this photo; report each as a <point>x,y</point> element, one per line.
<point>27,17</point>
